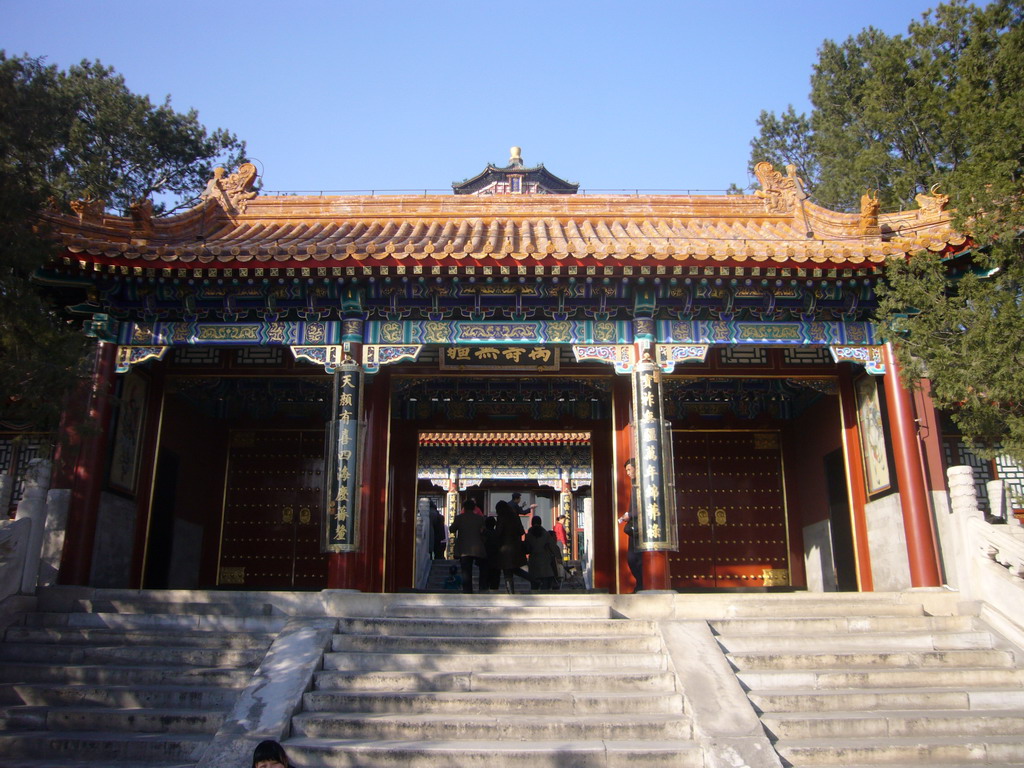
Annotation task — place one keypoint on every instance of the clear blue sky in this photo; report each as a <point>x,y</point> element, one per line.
<point>415,94</point>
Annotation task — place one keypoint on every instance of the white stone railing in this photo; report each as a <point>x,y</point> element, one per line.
<point>997,545</point>
<point>990,560</point>
<point>14,536</point>
<point>21,539</point>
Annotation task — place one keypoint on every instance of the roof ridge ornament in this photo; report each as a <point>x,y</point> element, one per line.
<point>141,212</point>
<point>88,209</point>
<point>780,193</point>
<point>932,205</point>
<point>869,208</point>
<point>232,192</point>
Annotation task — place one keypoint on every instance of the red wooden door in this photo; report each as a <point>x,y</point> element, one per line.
<point>272,503</point>
<point>731,508</point>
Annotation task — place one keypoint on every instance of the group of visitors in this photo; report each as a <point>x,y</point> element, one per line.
<point>500,546</point>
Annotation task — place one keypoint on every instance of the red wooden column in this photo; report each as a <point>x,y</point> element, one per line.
<point>855,478</point>
<point>610,547</point>
<point>85,463</point>
<point>375,492</point>
<point>917,523</point>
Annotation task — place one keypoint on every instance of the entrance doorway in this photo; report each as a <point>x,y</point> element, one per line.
<point>731,508</point>
<point>551,470</point>
<point>237,500</point>
<point>272,508</point>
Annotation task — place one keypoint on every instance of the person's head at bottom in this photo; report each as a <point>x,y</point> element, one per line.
<point>269,754</point>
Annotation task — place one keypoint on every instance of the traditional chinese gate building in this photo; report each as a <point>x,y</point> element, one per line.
<point>285,376</point>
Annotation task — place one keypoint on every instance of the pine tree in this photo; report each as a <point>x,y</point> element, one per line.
<point>64,136</point>
<point>941,105</point>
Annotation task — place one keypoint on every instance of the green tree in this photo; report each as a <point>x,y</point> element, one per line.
<point>942,104</point>
<point>786,140</point>
<point>75,135</point>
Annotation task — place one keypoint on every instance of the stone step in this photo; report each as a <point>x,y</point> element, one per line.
<point>151,606</point>
<point>179,638</point>
<point>64,598</point>
<point>941,765</point>
<point>864,659</point>
<point>418,662</point>
<point>974,699</point>
<point>888,724</point>
<point>813,607</point>
<point>146,696</point>
<point>839,626</point>
<point>563,753</point>
<point>503,626</point>
<point>881,678</point>
<point>955,749</point>
<point>114,747</point>
<point>104,674</point>
<point>494,682</point>
<point>120,720</point>
<point>483,645</point>
<point>159,621</point>
<point>555,704</point>
<point>62,763</point>
<point>135,655</point>
<point>914,641</point>
<point>490,607</point>
<point>498,727</point>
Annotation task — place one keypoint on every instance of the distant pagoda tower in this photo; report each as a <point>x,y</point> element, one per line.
<point>514,179</point>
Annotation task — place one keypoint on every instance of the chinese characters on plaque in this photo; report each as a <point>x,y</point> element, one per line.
<point>508,357</point>
<point>341,532</point>
<point>656,495</point>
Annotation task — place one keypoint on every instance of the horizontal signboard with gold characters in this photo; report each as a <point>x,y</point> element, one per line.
<point>505,357</point>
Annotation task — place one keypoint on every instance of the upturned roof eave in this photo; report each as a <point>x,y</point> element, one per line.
<point>457,229</point>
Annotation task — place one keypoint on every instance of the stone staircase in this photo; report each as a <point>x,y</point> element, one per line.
<point>174,679</point>
<point>132,679</point>
<point>494,681</point>
<point>867,682</point>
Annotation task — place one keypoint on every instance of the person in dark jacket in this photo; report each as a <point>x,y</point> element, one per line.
<point>468,528</point>
<point>634,556</point>
<point>438,536</point>
<point>510,544</point>
<point>518,508</point>
<point>492,545</point>
<point>543,552</point>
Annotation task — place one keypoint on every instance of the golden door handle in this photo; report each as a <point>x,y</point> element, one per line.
<point>720,516</point>
<point>287,515</point>
<point>702,516</point>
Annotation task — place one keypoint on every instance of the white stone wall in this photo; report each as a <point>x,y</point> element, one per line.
<point>58,501</point>
<point>946,533</point>
<point>112,548</point>
<point>887,543</point>
<point>185,553</point>
<point>818,560</point>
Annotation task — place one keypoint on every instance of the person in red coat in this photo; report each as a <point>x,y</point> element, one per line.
<point>561,534</point>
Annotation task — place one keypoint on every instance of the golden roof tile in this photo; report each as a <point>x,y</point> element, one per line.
<point>233,228</point>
